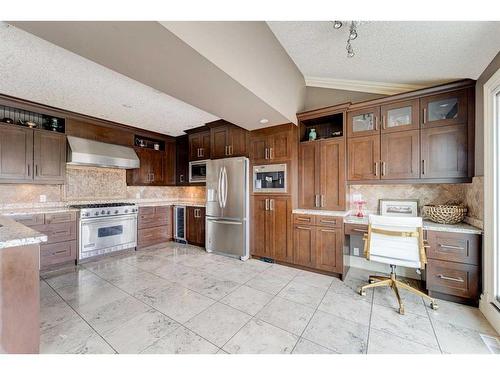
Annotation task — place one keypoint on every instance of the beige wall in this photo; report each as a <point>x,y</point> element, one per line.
<point>318,97</point>
<point>92,184</point>
<point>479,148</point>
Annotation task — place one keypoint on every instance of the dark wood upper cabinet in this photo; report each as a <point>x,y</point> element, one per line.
<point>49,156</point>
<point>400,155</point>
<point>332,174</point>
<point>309,172</point>
<point>195,222</point>
<point>322,174</point>
<point>363,122</point>
<point>157,168</point>
<point>199,145</point>
<point>182,160</point>
<point>363,158</point>
<point>227,140</point>
<point>400,116</point>
<point>16,154</point>
<point>444,152</point>
<point>449,108</point>
<point>271,145</point>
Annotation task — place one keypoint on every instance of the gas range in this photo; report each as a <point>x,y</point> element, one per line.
<point>105,209</point>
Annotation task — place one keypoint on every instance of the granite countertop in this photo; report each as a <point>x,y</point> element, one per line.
<point>35,210</point>
<point>14,234</point>
<point>320,212</point>
<point>428,225</point>
<point>174,202</point>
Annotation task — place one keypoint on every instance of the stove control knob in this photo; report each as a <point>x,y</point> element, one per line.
<point>126,211</point>
<point>87,214</point>
<point>97,213</point>
<point>116,211</point>
<point>103,212</point>
<point>108,212</point>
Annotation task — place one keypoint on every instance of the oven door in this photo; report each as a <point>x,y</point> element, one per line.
<point>198,171</point>
<point>104,235</point>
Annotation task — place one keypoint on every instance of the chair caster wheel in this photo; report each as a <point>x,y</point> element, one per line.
<point>361,292</point>
<point>402,310</point>
<point>434,306</point>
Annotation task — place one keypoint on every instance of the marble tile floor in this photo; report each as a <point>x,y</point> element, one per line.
<point>179,299</point>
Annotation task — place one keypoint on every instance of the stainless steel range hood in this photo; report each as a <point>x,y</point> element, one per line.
<point>98,154</point>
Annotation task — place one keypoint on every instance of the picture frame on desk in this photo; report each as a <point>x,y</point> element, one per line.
<point>398,207</point>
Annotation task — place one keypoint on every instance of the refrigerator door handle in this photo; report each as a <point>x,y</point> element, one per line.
<point>226,222</point>
<point>219,189</point>
<point>224,176</point>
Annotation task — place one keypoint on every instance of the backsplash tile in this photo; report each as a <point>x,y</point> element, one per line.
<point>83,183</point>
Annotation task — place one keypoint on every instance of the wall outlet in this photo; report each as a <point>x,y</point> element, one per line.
<point>43,198</point>
<point>355,251</point>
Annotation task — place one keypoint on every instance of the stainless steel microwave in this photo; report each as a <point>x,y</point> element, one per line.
<point>198,171</point>
<point>270,178</point>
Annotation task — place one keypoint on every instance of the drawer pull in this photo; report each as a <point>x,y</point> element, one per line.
<point>458,279</point>
<point>304,218</point>
<point>305,228</point>
<point>451,247</point>
<point>59,252</point>
<point>359,230</point>
<point>60,232</point>
<point>329,221</point>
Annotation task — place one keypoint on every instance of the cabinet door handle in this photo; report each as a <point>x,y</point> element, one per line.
<point>267,204</point>
<point>383,122</point>
<point>271,204</point>
<point>315,200</point>
<point>29,172</point>
<point>383,168</point>
<point>202,152</point>
<point>225,150</point>
<point>181,178</point>
<point>230,149</point>
<point>36,169</point>
<point>267,153</point>
<point>458,279</point>
<point>322,200</point>
<point>152,177</point>
<point>424,120</point>
<point>376,168</point>
<point>451,247</point>
<point>271,153</point>
<point>376,123</point>
<point>423,166</point>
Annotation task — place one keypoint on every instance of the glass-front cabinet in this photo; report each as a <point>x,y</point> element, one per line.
<point>363,122</point>
<point>400,116</point>
<point>444,109</point>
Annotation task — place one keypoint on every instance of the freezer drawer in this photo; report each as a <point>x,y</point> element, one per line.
<point>227,237</point>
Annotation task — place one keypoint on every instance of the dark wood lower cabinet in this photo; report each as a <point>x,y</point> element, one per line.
<point>270,235</point>
<point>316,246</point>
<point>195,223</point>
<point>154,226</point>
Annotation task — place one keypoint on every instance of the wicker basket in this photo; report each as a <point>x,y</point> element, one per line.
<point>445,213</point>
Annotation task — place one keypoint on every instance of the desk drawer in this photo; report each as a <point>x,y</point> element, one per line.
<point>355,229</point>
<point>28,220</point>
<point>57,253</point>
<point>153,236</point>
<point>456,279</point>
<point>58,232</point>
<point>60,217</point>
<point>454,247</point>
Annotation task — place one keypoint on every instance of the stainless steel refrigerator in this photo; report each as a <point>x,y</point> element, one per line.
<point>227,212</point>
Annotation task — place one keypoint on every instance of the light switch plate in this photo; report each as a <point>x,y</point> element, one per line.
<point>43,198</point>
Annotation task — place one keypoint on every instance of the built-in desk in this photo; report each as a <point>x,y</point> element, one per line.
<point>453,270</point>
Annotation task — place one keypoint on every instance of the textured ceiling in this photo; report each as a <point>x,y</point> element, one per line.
<point>34,69</point>
<point>393,52</point>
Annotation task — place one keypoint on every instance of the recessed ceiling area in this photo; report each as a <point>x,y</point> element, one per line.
<point>415,53</point>
<point>34,69</point>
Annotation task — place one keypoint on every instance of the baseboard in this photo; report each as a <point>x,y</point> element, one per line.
<point>358,262</point>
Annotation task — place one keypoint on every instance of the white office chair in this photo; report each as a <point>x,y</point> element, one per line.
<point>397,241</point>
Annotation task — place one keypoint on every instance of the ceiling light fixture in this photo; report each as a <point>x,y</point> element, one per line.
<point>264,121</point>
<point>353,34</point>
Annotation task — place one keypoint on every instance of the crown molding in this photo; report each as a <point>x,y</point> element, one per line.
<point>362,86</point>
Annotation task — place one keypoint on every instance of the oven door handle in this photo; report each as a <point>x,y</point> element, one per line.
<point>108,218</point>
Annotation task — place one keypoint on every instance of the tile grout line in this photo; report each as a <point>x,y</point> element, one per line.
<point>433,329</point>
<point>312,316</point>
<point>370,322</point>
<point>81,317</point>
